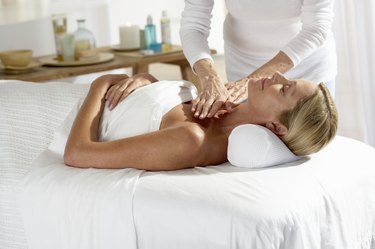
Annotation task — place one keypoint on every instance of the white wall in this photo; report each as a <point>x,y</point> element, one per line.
<point>26,24</point>
<point>137,11</point>
<point>35,31</point>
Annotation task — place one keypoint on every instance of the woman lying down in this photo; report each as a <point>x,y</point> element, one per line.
<point>169,137</point>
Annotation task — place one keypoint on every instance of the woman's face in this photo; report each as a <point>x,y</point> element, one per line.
<point>270,97</point>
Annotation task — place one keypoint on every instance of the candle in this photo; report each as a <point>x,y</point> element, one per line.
<point>129,36</point>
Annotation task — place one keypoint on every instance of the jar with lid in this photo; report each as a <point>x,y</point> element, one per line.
<point>84,38</point>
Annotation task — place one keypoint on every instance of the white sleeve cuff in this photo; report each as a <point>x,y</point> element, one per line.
<point>198,57</point>
<point>293,56</point>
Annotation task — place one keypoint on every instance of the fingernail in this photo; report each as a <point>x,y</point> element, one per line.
<point>201,116</point>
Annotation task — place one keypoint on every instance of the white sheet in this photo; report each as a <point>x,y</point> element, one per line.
<point>326,201</point>
<point>65,207</point>
<point>29,114</point>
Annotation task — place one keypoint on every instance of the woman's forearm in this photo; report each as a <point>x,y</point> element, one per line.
<point>238,89</point>
<point>195,29</point>
<point>85,126</point>
<point>280,63</point>
<point>84,132</point>
<point>206,72</point>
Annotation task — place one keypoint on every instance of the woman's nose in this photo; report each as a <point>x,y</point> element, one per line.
<point>271,78</point>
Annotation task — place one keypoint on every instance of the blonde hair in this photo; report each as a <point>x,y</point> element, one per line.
<point>312,124</point>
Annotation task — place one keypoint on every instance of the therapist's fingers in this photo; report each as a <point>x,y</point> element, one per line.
<point>229,106</point>
<point>202,103</point>
<point>237,93</point>
<point>199,107</point>
<point>206,108</point>
<point>242,95</point>
<point>194,103</point>
<point>233,97</point>
<point>215,108</point>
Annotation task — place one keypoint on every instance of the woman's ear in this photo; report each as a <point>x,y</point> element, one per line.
<point>278,128</point>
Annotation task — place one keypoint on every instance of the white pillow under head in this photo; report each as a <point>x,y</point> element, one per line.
<point>255,146</point>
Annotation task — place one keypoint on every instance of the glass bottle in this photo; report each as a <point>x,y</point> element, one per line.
<point>59,30</point>
<point>84,38</point>
<point>165,24</point>
<point>150,32</point>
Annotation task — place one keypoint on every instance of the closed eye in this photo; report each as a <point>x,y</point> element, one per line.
<point>285,88</point>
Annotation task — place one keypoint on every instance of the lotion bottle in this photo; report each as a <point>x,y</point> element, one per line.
<point>150,32</point>
<point>165,24</point>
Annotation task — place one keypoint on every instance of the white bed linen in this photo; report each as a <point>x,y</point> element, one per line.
<point>65,207</point>
<point>29,114</point>
<point>325,202</point>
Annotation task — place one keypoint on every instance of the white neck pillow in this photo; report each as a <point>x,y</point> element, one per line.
<point>255,146</point>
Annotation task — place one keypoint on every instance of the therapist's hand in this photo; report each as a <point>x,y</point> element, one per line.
<point>123,88</point>
<point>214,93</point>
<point>211,98</point>
<point>237,91</point>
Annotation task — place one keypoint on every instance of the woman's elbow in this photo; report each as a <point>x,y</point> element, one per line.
<point>73,157</point>
<point>70,158</point>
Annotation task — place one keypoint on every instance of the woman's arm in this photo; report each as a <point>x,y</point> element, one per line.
<point>316,18</point>
<point>168,149</point>
<point>280,63</point>
<point>195,29</point>
<point>86,123</point>
<point>123,88</point>
<point>237,90</point>
<point>194,32</point>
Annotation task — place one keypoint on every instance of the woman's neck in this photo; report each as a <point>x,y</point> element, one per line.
<point>240,115</point>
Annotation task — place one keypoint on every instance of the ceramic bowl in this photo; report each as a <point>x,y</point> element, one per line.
<point>88,54</point>
<point>16,58</point>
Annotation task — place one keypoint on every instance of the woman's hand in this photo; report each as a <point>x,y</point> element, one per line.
<point>237,92</point>
<point>105,81</point>
<point>214,93</point>
<point>211,99</point>
<point>123,88</point>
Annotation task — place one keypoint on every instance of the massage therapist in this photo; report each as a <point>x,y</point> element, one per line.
<point>293,37</point>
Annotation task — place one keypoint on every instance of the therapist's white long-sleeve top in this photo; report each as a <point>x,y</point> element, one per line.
<point>255,31</point>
